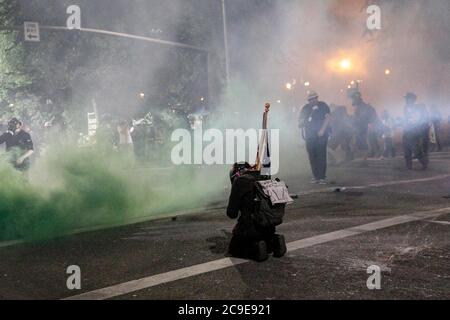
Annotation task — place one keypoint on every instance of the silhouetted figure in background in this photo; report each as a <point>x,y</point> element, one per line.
<point>436,120</point>
<point>125,142</point>
<point>19,143</point>
<point>341,133</point>
<point>365,120</point>
<point>314,122</point>
<point>388,128</point>
<point>415,132</point>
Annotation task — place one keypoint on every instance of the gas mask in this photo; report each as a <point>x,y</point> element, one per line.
<point>238,170</point>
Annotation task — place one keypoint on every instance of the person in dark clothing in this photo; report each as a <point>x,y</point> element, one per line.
<point>342,133</point>
<point>365,124</point>
<point>249,240</point>
<point>415,132</point>
<point>19,144</point>
<point>314,122</point>
<point>388,135</point>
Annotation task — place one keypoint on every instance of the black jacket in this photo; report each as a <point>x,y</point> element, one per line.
<point>312,117</point>
<point>17,144</point>
<point>242,200</point>
<point>21,140</point>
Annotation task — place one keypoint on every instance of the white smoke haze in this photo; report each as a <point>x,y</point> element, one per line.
<point>302,39</point>
<point>305,40</point>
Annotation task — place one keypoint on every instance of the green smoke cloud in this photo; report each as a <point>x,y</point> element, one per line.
<point>71,188</point>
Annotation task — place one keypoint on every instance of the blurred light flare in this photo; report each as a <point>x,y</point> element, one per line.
<point>345,64</point>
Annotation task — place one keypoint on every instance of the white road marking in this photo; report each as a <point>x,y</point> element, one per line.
<point>440,222</point>
<point>155,280</point>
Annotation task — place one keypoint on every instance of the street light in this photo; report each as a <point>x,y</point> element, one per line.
<point>289,86</point>
<point>345,64</point>
<point>387,72</point>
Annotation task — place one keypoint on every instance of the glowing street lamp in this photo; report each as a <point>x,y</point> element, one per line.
<point>289,86</point>
<point>142,95</point>
<point>345,64</point>
<point>387,72</point>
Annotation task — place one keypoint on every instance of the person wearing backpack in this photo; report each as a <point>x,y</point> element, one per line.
<point>251,238</point>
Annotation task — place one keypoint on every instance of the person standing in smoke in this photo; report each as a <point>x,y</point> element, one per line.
<point>314,122</point>
<point>415,132</point>
<point>365,122</point>
<point>342,133</point>
<point>125,142</point>
<point>436,120</point>
<point>19,143</point>
<point>388,135</point>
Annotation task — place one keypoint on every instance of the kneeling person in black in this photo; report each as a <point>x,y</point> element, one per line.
<point>250,240</point>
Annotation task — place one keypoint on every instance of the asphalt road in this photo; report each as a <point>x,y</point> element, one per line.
<point>386,216</point>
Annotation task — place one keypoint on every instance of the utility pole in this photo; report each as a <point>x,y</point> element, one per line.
<point>225,40</point>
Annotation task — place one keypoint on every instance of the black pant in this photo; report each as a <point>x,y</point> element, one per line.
<point>415,145</point>
<point>389,148</point>
<point>317,151</point>
<point>437,132</point>
<point>244,246</point>
<point>342,139</point>
<point>374,147</point>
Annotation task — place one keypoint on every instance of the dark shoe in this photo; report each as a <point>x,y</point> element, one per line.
<point>260,251</point>
<point>424,163</point>
<point>279,246</point>
<point>409,165</point>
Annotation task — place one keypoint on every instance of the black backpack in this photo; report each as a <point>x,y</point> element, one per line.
<point>265,214</point>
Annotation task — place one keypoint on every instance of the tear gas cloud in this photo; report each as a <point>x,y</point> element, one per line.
<point>303,43</point>
<point>72,189</point>
<point>306,41</point>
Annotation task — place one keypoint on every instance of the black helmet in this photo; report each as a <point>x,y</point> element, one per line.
<point>239,168</point>
<point>411,96</point>
<point>356,95</point>
<point>12,124</point>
